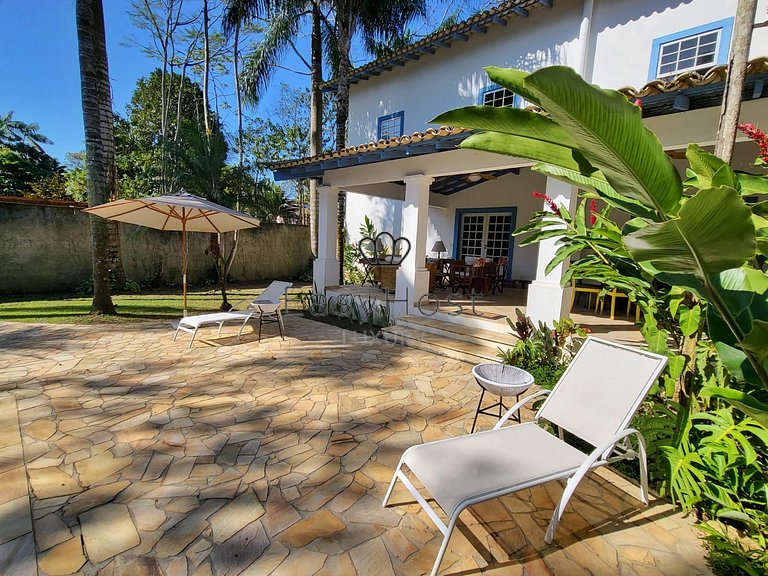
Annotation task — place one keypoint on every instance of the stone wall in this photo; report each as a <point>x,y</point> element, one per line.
<point>47,248</point>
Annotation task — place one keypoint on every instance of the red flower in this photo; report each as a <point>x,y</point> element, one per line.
<point>548,201</point>
<point>592,211</point>
<point>638,103</point>
<point>758,137</point>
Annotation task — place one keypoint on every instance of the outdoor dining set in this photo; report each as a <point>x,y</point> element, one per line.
<point>477,275</point>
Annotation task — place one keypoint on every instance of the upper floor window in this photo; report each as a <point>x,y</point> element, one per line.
<point>495,95</point>
<point>701,47</point>
<point>391,125</point>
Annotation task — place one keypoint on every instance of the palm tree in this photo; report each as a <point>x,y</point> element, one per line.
<point>285,18</point>
<point>374,20</point>
<point>99,142</point>
<point>15,131</point>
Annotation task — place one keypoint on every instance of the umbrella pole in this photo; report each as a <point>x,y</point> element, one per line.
<point>184,262</point>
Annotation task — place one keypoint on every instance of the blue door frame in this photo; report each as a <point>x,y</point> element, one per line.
<point>457,229</point>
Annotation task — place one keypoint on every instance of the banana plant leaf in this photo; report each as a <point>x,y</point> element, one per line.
<point>713,232</point>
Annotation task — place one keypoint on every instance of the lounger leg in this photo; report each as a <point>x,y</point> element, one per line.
<point>175,334</point>
<point>239,334</point>
<point>392,484</point>
<point>440,555</point>
<point>220,325</point>
<point>280,324</point>
<point>643,469</point>
<point>261,321</point>
<point>570,488</point>
<point>193,338</point>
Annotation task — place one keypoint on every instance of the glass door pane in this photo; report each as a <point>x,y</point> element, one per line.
<point>498,234</point>
<point>471,235</point>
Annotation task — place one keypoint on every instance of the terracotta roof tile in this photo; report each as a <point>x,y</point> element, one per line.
<point>692,79</point>
<point>504,10</point>
<point>403,140</point>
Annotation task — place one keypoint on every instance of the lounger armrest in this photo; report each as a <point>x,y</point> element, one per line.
<point>517,407</point>
<point>241,305</point>
<point>607,446</point>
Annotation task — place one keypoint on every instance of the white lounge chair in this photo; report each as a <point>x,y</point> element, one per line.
<point>265,308</point>
<point>595,400</point>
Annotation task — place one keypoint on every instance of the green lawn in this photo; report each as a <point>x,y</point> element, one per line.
<point>147,306</point>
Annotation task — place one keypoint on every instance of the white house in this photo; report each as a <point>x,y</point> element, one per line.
<point>411,179</point>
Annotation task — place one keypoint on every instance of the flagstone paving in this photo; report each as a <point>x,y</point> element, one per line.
<point>144,457</point>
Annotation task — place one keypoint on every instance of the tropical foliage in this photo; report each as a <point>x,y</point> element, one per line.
<point>543,351</point>
<point>692,256</point>
<point>25,167</point>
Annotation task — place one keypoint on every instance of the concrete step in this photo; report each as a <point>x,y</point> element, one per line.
<point>440,344</point>
<point>478,322</point>
<point>472,335</point>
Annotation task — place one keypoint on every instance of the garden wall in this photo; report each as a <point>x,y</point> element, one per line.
<point>46,247</point>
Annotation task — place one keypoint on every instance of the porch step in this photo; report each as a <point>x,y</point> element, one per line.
<point>447,339</point>
<point>471,334</point>
<point>442,345</point>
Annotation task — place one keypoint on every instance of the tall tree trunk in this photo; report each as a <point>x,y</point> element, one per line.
<point>344,40</point>
<point>240,151</point>
<point>215,240</point>
<point>206,68</point>
<point>99,140</point>
<point>115,254</point>
<point>315,119</point>
<point>737,66</point>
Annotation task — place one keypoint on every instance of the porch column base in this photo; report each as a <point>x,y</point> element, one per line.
<point>417,283</point>
<point>325,272</point>
<point>547,302</point>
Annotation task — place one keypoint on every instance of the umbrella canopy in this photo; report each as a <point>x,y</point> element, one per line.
<point>176,212</point>
<point>180,212</point>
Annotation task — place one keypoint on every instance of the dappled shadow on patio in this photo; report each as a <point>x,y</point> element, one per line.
<point>273,457</point>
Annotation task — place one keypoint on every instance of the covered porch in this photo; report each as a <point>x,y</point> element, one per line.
<point>437,196</point>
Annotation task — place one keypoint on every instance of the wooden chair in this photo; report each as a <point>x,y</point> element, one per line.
<point>499,274</point>
<point>588,289</point>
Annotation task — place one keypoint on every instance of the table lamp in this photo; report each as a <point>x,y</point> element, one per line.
<point>439,247</point>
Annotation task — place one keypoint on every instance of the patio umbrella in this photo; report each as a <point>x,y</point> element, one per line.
<point>180,212</point>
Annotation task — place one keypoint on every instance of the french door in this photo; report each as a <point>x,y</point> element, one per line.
<point>485,234</point>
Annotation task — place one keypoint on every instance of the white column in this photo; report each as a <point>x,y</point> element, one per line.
<point>412,276</point>
<point>547,301</point>
<point>581,60</point>
<point>325,270</point>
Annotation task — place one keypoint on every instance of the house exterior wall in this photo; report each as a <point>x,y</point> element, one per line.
<point>618,54</point>
<point>454,77</point>
<point>623,33</point>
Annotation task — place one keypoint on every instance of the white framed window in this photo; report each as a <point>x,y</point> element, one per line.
<point>693,49</point>
<point>495,95</point>
<point>391,125</point>
<point>689,53</point>
<point>499,97</point>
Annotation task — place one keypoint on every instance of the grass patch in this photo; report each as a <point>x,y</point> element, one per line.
<point>148,306</point>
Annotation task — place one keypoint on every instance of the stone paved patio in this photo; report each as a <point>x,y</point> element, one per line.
<point>144,457</point>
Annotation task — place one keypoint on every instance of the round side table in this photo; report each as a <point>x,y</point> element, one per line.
<point>503,381</point>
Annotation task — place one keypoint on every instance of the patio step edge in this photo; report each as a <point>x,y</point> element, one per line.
<point>461,332</point>
<point>439,344</point>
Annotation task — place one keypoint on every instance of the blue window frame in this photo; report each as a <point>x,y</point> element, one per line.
<point>700,47</point>
<point>390,126</point>
<point>495,95</point>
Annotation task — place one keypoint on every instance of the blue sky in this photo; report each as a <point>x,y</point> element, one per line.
<point>41,77</point>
